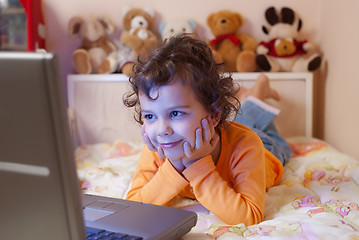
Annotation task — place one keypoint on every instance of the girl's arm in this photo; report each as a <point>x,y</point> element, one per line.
<point>241,201</point>
<point>155,181</point>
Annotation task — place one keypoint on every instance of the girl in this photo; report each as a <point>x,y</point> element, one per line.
<point>192,150</point>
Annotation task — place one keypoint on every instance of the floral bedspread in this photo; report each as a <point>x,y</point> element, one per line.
<point>318,197</point>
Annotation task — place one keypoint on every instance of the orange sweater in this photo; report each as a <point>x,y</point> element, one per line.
<point>234,189</point>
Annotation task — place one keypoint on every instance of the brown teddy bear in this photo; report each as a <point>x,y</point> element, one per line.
<point>137,39</point>
<point>137,17</point>
<point>236,50</point>
<point>96,47</point>
<point>284,47</point>
<point>140,40</point>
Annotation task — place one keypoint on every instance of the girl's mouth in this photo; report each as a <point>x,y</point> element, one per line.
<point>170,144</point>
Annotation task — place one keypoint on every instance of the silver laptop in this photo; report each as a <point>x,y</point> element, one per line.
<point>40,197</point>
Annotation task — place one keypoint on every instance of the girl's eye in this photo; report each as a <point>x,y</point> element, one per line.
<point>148,116</point>
<point>176,114</point>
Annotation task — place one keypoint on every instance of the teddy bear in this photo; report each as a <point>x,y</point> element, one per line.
<point>284,51</point>
<point>176,26</point>
<point>96,47</point>
<point>140,40</point>
<point>137,39</point>
<point>235,49</point>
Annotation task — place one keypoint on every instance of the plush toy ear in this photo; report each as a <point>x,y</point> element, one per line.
<point>75,24</point>
<point>125,10</point>
<point>287,15</point>
<point>150,11</point>
<point>272,16</point>
<point>240,19</point>
<point>162,27</point>
<point>107,24</point>
<point>210,19</point>
<point>192,23</point>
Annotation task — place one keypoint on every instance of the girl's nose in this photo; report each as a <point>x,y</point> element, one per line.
<point>164,128</point>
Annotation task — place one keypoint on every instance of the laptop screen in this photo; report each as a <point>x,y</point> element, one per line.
<point>39,198</point>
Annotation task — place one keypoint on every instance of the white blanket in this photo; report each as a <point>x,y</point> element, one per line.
<point>317,198</point>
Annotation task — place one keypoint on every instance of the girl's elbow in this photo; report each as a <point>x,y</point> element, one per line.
<point>246,219</point>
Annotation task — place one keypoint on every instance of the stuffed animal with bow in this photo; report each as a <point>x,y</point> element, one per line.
<point>285,52</point>
<point>236,50</point>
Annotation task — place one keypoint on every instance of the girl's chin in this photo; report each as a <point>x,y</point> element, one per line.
<point>173,155</point>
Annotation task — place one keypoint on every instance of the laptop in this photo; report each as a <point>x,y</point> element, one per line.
<point>40,196</point>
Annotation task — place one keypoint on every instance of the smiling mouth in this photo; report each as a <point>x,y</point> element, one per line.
<point>170,145</point>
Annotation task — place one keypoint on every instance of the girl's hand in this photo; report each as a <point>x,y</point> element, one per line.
<point>206,139</point>
<point>150,145</point>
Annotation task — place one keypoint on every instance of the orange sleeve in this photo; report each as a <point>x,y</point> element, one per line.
<point>155,181</point>
<point>239,202</point>
<point>274,170</point>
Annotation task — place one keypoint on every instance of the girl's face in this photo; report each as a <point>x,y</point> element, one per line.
<point>171,119</point>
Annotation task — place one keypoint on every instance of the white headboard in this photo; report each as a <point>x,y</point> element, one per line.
<point>95,101</point>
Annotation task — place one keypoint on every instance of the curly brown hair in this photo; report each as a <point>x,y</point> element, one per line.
<point>185,58</point>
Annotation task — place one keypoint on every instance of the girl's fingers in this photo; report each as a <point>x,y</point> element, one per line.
<point>147,140</point>
<point>207,130</point>
<point>203,138</point>
<point>187,149</point>
<point>161,153</point>
<point>198,139</point>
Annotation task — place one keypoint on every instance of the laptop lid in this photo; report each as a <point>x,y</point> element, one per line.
<point>39,198</point>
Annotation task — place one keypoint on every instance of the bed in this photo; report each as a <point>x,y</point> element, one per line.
<point>317,198</point>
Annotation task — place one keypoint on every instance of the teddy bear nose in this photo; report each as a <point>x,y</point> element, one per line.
<point>141,23</point>
<point>223,21</point>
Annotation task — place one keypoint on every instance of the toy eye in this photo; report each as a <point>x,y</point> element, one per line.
<point>172,30</point>
<point>183,29</point>
<point>223,21</point>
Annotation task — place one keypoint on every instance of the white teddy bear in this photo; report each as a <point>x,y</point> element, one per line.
<point>175,26</point>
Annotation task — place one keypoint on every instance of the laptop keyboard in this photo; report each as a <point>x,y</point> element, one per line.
<point>101,234</point>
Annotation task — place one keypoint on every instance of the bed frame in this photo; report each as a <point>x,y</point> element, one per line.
<point>98,115</point>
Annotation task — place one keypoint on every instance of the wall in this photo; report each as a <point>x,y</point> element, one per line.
<point>327,22</point>
<point>339,38</point>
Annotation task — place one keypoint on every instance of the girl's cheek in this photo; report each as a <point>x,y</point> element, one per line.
<point>151,133</point>
<point>189,135</point>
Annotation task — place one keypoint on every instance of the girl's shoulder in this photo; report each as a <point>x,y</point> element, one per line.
<point>236,134</point>
<point>237,141</point>
<point>234,129</point>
